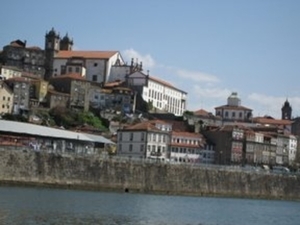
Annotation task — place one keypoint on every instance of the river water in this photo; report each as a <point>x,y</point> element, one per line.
<point>37,206</point>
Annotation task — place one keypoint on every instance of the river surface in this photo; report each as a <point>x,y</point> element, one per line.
<point>37,206</point>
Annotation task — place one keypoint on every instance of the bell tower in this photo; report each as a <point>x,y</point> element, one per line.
<point>52,46</point>
<point>66,43</point>
<point>286,111</point>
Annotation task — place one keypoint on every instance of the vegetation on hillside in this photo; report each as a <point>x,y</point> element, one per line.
<point>71,118</point>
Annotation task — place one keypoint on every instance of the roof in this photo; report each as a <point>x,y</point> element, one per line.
<point>161,81</point>
<point>113,84</point>
<point>18,79</point>
<point>233,107</point>
<point>201,112</point>
<point>186,134</point>
<point>271,121</point>
<point>73,76</point>
<point>86,54</point>
<point>165,83</point>
<point>37,130</point>
<point>57,92</point>
<point>147,125</point>
<point>34,48</point>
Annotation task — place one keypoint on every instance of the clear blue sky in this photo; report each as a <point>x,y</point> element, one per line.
<point>206,48</point>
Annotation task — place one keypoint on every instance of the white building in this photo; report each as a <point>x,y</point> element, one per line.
<point>95,65</point>
<point>148,139</point>
<point>10,72</point>
<point>292,149</point>
<point>156,139</point>
<point>163,96</point>
<point>190,148</point>
<point>233,110</point>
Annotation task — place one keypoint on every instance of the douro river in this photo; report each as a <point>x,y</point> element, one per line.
<point>41,206</point>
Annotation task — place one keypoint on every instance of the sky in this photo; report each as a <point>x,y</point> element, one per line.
<point>207,48</point>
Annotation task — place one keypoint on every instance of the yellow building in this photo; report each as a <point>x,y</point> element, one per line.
<point>6,98</point>
<point>41,88</point>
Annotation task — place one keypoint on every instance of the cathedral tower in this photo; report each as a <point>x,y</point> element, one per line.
<point>286,111</point>
<point>66,43</point>
<point>52,46</point>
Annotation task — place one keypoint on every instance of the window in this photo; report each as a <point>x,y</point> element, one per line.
<point>3,98</point>
<point>70,69</point>
<point>142,136</point>
<point>240,114</point>
<point>120,136</point>
<point>142,148</point>
<point>130,147</point>
<point>77,69</point>
<point>131,136</point>
<point>3,106</point>
<point>120,148</point>
<point>94,78</point>
<point>95,64</point>
<point>233,114</point>
<point>226,114</point>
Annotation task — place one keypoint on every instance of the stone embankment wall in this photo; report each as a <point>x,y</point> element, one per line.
<point>34,168</point>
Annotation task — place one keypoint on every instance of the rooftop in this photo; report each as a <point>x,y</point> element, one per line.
<point>36,130</point>
<point>85,54</point>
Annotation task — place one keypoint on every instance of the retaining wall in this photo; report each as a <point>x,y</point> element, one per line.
<point>90,172</point>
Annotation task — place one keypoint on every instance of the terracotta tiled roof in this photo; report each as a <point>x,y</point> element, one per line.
<point>113,84</point>
<point>201,112</point>
<point>142,126</point>
<point>268,121</point>
<point>73,76</point>
<point>233,107</point>
<point>86,54</point>
<point>57,93</point>
<point>186,134</point>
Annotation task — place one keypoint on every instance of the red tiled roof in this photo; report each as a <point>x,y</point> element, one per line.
<point>201,112</point>
<point>264,120</point>
<point>113,84</point>
<point>86,54</point>
<point>57,93</point>
<point>233,107</point>
<point>186,134</point>
<point>142,126</point>
<point>73,76</point>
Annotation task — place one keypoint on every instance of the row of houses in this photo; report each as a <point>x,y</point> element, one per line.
<point>227,144</point>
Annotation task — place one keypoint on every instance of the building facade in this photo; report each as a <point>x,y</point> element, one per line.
<point>162,96</point>
<point>22,90</point>
<point>76,86</point>
<point>6,98</point>
<point>148,139</point>
<point>189,147</point>
<point>233,110</point>
<point>28,59</point>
